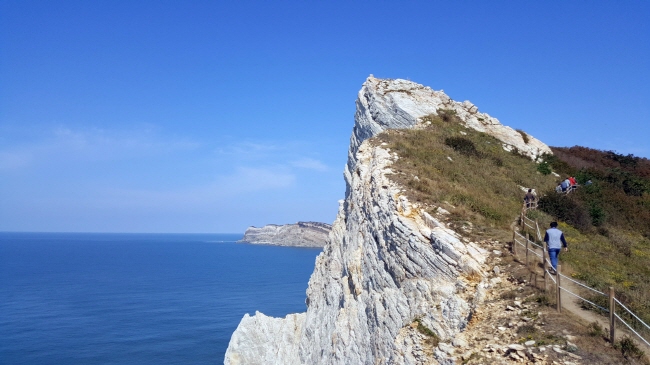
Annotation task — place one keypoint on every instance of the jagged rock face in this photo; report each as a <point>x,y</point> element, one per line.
<point>394,104</point>
<point>386,265</point>
<point>387,262</point>
<point>301,234</point>
<point>255,335</point>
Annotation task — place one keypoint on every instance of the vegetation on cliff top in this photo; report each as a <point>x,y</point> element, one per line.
<point>463,171</point>
<point>608,222</point>
<point>468,173</point>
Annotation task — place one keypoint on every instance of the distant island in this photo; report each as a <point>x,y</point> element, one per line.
<point>301,234</point>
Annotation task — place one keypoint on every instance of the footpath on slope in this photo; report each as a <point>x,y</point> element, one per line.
<point>515,324</point>
<point>571,295</point>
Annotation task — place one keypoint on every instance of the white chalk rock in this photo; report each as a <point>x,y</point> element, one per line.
<point>386,262</point>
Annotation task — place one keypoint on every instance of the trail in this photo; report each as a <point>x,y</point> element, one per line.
<point>569,302</point>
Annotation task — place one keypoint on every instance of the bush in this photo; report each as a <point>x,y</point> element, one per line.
<point>595,329</point>
<point>556,163</point>
<point>597,214</point>
<point>433,337</point>
<point>629,348</point>
<point>448,115</point>
<point>542,299</point>
<point>544,168</point>
<point>565,208</point>
<point>462,145</point>
<point>622,244</point>
<point>515,152</point>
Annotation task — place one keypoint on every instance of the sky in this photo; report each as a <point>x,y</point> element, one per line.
<point>212,116</point>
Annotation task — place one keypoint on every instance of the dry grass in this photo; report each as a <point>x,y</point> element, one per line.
<point>464,171</point>
<point>469,174</point>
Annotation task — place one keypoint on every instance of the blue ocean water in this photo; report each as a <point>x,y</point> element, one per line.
<point>78,298</point>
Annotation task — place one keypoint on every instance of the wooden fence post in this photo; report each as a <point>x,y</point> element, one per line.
<point>527,240</point>
<point>612,316</point>
<point>545,267</point>
<point>558,287</point>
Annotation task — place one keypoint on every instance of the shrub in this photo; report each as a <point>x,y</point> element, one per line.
<point>542,299</point>
<point>566,208</point>
<point>544,168</point>
<point>556,163</point>
<point>595,329</point>
<point>622,244</point>
<point>448,115</point>
<point>462,145</point>
<point>427,332</point>
<point>597,214</point>
<point>629,348</point>
<point>527,330</point>
<point>515,152</point>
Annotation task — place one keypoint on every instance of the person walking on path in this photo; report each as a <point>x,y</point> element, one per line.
<point>554,239</point>
<point>529,199</point>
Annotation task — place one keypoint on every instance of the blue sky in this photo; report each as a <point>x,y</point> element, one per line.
<point>207,116</point>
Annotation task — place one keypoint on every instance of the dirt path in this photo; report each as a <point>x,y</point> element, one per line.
<point>570,302</point>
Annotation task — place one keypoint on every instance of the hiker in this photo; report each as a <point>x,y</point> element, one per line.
<point>554,239</point>
<point>574,184</point>
<point>529,199</point>
<point>565,185</point>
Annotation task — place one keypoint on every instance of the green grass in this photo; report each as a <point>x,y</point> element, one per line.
<point>603,257</point>
<point>464,171</point>
<point>433,338</point>
<point>606,224</point>
<point>469,174</point>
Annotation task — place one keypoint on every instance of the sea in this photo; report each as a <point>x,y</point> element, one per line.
<point>97,298</point>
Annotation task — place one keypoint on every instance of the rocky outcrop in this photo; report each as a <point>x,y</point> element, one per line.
<point>387,263</point>
<point>301,234</point>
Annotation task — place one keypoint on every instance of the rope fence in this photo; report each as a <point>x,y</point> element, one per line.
<point>634,315</point>
<point>585,300</point>
<point>523,241</point>
<point>583,285</point>
<point>631,329</point>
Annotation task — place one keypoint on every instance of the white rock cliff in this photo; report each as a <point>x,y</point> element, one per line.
<point>387,262</point>
<point>301,234</point>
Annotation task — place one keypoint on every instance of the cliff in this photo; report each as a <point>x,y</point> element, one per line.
<point>388,263</point>
<point>301,234</point>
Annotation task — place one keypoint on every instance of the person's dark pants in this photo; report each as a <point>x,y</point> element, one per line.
<point>553,254</point>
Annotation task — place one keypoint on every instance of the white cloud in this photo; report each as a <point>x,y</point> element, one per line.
<point>310,163</point>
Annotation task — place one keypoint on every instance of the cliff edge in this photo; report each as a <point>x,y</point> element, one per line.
<point>301,234</point>
<point>387,263</point>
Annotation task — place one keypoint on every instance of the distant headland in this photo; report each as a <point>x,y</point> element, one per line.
<point>301,234</point>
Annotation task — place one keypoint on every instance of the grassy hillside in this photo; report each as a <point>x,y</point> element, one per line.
<point>463,171</point>
<point>469,174</point>
<point>609,221</point>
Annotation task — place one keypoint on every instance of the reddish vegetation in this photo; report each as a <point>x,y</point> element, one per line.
<point>619,196</point>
